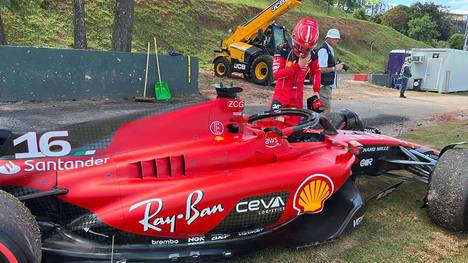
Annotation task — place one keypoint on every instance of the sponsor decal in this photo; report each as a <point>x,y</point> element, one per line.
<point>366,162</point>
<point>165,242</point>
<point>357,221</point>
<point>196,240</point>
<point>312,193</point>
<point>217,128</point>
<point>38,165</point>
<point>276,106</point>
<point>9,168</point>
<point>240,66</point>
<point>376,149</point>
<point>235,104</point>
<point>263,206</point>
<point>272,140</point>
<point>250,232</point>
<point>277,5</point>
<point>193,212</point>
<point>276,66</point>
<point>60,165</point>
<point>218,237</point>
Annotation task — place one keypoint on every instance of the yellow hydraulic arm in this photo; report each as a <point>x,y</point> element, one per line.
<point>248,31</point>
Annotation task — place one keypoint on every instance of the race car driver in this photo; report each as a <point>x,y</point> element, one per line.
<point>292,62</point>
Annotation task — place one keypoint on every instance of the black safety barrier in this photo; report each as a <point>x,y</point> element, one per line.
<point>45,74</point>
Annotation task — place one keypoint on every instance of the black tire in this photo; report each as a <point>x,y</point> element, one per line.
<point>447,197</point>
<point>222,67</point>
<point>20,237</point>
<point>261,70</point>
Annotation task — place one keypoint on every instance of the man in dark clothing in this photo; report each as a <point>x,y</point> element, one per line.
<point>405,74</point>
<point>328,67</point>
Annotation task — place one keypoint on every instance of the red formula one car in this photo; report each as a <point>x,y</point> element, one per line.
<point>204,182</point>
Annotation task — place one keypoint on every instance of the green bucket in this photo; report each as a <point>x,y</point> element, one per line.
<point>162,91</point>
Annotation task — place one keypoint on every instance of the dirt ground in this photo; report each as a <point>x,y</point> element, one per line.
<point>378,107</point>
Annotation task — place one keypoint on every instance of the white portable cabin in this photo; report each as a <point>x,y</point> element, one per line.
<point>440,70</point>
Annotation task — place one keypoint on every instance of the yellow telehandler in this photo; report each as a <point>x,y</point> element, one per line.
<point>249,49</point>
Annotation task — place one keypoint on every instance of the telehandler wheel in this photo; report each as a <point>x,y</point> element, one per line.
<point>20,237</point>
<point>447,197</point>
<point>261,70</point>
<point>222,67</point>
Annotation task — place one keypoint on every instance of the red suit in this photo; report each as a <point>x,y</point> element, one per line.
<point>290,78</point>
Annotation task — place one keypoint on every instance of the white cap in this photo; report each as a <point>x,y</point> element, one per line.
<point>333,33</point>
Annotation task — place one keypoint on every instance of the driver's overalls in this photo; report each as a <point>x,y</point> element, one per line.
<point>290,77</point>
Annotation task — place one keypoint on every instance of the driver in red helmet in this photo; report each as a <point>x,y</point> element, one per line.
<point>292,62</point>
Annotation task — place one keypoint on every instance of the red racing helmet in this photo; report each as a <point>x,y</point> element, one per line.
<point>305,36</point>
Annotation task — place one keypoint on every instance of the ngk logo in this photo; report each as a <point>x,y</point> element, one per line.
<point>366,162</point>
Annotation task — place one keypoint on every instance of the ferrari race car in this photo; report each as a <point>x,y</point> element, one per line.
<point>205,182</point>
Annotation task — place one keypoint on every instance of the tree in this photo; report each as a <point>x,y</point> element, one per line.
<point>123,25</point>
<point>79,27</point>
<point>377,19</point>
<point>360,14</point>
<point>397,18</point>
<point>457,41</point>
<point>423,29</point>
<point>2,32</point>
<point>437,14</point>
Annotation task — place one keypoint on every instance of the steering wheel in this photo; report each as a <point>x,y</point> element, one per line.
<point>311,119</point>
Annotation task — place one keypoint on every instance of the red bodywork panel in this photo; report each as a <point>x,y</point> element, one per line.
<point>180,174</point>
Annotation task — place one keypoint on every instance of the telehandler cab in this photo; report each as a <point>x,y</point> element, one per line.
<point>249,49</point>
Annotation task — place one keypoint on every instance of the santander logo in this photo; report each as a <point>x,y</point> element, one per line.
<point>9,168</point>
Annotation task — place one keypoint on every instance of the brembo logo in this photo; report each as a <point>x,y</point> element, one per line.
<point>278,5</point>
<point>263,206</point>
<point>9,168</point>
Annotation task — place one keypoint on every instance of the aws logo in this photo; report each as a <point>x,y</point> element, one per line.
<point>312,194</point>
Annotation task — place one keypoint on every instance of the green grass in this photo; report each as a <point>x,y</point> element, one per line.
<point>198,27</point>
<point>394,229</point>
<point>439,136</point>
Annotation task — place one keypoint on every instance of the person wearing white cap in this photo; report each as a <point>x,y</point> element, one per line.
<point>328,67</point>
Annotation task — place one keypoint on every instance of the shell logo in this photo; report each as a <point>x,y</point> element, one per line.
<point>312,194</point>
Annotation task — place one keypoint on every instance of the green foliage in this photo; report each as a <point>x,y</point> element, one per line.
<point>377,19</point>
<point>197,28</point>
<point>444,25</point>
<point>18,5</point>
<point>397,18</point>
<point>360,14</point>
<point>423,29</point>
<point>457,41</point>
